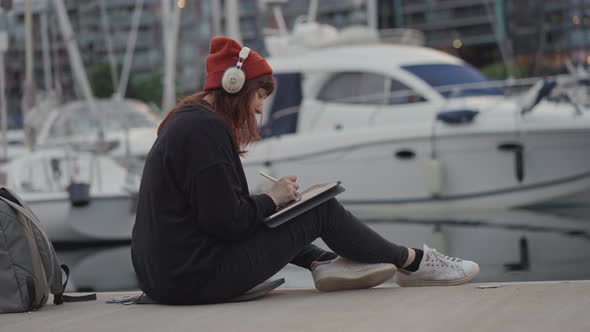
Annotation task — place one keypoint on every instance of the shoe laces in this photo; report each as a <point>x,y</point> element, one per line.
<point>444,260</point>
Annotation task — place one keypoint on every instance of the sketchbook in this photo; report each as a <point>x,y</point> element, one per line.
<point>310,198</point>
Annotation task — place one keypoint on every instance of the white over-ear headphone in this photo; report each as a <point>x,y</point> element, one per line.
<point>234,78</point>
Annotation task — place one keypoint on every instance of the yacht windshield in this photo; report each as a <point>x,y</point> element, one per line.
<point>453,81</point>
<point>111,116</point>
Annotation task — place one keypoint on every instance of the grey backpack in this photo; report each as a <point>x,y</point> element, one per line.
<point>29,269</point>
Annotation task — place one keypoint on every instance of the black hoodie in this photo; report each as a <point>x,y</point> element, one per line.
<point>193,200</point>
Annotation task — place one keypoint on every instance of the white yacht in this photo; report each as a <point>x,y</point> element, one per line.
<point>409,128</point>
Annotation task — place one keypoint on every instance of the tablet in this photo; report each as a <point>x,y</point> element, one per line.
<point>310,198</point>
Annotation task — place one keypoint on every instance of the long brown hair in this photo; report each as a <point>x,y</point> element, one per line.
<point>233,108</point>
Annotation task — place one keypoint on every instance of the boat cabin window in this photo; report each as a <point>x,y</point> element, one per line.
<point>111,115</point>
<point>400,93</point>
<point>455,80</point>
<point>284,105</point>
<point>354,88</point>
<point>367,88</point>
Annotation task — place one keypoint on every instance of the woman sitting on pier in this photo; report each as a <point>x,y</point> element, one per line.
<point>199,236</point>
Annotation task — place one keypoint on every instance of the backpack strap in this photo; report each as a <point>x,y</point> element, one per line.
<point>61,298</point>
<point>20,209</point>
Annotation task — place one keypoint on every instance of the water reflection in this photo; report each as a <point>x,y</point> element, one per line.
<point>515,245</point>
<point>99,268</point>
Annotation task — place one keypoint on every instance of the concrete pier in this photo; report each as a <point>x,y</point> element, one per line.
<point>534,306</point>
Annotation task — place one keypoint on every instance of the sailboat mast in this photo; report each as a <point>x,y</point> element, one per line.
<point>29,93</point>
<point>106,31</point>
<point>29,84</point>
<point>232,20</point>
<point>3,110</point>
<point>73,52</point>
<point>48,77</point>
<point>312,10</point>
<point>170,26</point>
<point>78,67</point>
<point>372,21</point>
<point>135,20</point>
<point>215,17</point>
<point>280,19</point>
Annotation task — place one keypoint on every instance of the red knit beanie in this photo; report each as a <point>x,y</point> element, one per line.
<point>223,53</point>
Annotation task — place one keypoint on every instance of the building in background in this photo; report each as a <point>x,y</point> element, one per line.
<point>13,22</point>
<point>148,56</point>
<point>531,37</point>
<point>87,23</point>
<point>466,28</point>
<point>463,27</point>
<point>338,13</point>
<point>536,36</point>
<point>92,39</point>
<point>470,29</point>
<point>251,21</point>
<point>545,33</point>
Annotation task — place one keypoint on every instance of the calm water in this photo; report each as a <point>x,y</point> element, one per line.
<point>515,245</point>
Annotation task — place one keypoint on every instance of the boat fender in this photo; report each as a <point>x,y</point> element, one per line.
<point>79,193</point>
<point>435,176</point>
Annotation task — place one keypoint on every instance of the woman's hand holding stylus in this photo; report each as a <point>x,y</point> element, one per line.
<point>284,190</point>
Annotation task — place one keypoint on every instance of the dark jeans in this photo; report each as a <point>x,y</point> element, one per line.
<point>247,263</point>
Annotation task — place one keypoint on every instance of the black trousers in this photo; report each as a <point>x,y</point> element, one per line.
<point>245,264</point>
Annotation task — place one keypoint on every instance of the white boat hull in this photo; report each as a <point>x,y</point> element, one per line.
<point>104,219</point>
<point>44,178</point>
<point>516,197</point>
<point>99,269</point>
<point>472,172</point>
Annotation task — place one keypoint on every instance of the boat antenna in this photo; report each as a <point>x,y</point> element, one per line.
<point>502,40</point>
<point>232,20</point>
<point>312,11</point>
<point>29,93</point>
<point>3,110</point>
<point>170,26</point>
<point>371,8</point>
<point>277,12</point>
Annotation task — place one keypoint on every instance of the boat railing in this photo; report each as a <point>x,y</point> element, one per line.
<point>402,36</point>
<point>509,86</point>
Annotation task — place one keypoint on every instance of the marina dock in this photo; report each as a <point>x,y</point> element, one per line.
<point>521,306</point>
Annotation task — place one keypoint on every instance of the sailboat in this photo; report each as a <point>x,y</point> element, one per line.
<point>78,196</point>
<point>82,177</point>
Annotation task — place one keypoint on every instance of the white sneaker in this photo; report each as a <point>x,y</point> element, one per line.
<point>341,274</point>
<point>437,269</point>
